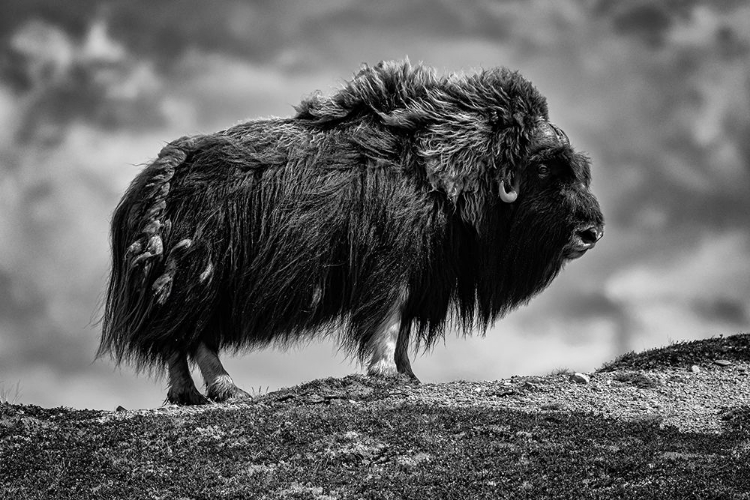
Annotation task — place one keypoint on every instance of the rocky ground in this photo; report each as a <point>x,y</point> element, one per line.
<point>667,423</point>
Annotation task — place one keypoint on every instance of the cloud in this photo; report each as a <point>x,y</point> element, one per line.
<point>86,94</point>
<point>693,291</point>
<point>717,267</point>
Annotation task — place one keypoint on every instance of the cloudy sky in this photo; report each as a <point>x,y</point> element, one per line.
<point>658,94</point>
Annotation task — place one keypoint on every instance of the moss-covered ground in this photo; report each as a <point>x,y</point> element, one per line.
<point>365,438</point>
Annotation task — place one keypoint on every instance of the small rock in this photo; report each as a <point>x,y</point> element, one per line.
<point>552,406</point>
<point>722,362</point>
<point>695,369</point>
<point>315,398</point>
<point>120,408</point>
<point>580,378</point>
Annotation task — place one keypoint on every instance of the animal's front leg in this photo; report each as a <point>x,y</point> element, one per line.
<point>389,347</point>
<point>402,353</point>
<point>383,349</point>
<point>219,385</point>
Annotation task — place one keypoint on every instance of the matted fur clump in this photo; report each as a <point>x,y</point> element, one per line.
<point>401,204</point>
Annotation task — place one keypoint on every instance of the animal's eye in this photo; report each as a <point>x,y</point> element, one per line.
<point>542,170</point>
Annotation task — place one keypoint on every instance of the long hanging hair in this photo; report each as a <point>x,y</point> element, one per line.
<point>383,193</point>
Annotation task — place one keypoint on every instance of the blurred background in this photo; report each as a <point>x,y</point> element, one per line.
<point>658,93</point>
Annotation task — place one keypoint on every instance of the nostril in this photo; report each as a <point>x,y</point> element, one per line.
<point>590,236</point>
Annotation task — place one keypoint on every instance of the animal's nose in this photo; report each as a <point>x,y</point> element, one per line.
<point>590,235</point>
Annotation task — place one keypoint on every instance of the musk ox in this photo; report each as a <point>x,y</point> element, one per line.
<point>401,205</point>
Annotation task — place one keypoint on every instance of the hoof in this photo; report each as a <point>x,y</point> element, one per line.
<point>382,371</point>
<point>186,397</point>
<point>223,390</point>
<point>395,376</point>
<point>409,378</point>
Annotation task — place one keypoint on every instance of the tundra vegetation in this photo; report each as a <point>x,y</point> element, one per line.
<point>685,434</point>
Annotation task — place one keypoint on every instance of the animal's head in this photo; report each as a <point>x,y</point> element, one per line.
<point>550,213</point>
<point>485,142</point>
<point>550,199</point>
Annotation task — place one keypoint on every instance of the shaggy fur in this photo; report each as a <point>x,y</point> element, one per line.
<point>382,196</point>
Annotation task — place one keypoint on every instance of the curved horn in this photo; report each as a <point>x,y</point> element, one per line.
<point>511,194</point>
<point>550,133</point>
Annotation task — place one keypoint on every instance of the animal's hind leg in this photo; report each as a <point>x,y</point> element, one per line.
<point>182,389</point>
<point>219,385</point>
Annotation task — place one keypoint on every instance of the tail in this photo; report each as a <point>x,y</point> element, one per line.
<point>139,229</point>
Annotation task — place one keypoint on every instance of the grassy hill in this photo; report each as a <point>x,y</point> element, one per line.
<point>667,423</point>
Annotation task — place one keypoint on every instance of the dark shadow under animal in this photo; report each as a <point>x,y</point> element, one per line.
<point>403,204</point>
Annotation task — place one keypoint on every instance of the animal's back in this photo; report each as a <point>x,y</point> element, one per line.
<point>271,230</point>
